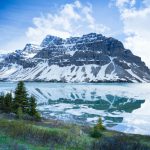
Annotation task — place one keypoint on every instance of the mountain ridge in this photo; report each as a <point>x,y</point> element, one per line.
<point>89,58</point>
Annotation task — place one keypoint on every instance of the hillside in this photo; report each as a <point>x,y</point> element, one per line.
<point>90,58</point>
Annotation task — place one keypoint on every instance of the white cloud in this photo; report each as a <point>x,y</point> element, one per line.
<point>136,22</point>
<point>72,19</point>
<point>122,3</point>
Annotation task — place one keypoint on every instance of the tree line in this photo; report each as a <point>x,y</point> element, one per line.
<point>20,104</point>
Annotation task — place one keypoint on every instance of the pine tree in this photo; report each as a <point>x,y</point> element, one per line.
<point>2,101</point>
<point>33,112</point>
<point>32,102</point>
<point>99,125</point>
<point>8,103</point>
<point>21,98</point>
<point>21,104</point>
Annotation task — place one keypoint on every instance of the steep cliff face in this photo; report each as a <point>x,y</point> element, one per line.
<point>90,58</point>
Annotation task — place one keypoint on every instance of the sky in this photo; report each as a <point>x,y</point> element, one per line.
<point>29,21</point>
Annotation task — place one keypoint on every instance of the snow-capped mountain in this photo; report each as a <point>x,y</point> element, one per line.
<point>90,58</point>
<point>2,57</point>
<point>30,50</point>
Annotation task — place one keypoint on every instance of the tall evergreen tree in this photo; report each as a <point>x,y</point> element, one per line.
<point>2,102</point>
<point>32,102</point>
<point>32,109</point>
<point>8,103</point>
<point>21,104</point>
<point>21,98</point>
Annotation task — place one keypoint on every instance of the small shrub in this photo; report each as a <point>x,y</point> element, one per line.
<point>99,125</point>
<point>97,130</point>
<point>96,133</point>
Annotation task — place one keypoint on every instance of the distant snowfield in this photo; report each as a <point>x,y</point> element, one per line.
<point>122,106</point>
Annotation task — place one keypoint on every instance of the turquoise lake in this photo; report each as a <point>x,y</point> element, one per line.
<point>122,106</point>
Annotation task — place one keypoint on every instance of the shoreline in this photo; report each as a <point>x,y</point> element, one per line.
<point>60,122</point>
<point>52,81</point>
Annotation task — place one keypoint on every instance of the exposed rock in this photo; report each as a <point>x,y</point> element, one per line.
<point>90,58</point>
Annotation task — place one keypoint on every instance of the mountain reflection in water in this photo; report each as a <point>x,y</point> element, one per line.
<point>122,106</point>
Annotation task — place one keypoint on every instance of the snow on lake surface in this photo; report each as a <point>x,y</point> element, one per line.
<point>122,106</point>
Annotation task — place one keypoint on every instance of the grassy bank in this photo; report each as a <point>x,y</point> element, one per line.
<point>50,134</point>
<point>62,137</point>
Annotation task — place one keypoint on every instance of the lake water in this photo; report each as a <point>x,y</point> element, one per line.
<point>122,106</point>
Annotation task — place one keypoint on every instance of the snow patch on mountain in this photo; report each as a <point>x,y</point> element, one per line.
<point>44,72</point>
<point>31,50</point>
<point>89,58</point>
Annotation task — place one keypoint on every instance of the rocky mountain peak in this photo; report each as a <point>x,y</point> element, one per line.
<point>31,48</point>
<point>51,40</point>
<point>89,58</point>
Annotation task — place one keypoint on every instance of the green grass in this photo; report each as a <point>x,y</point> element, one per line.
<point>9,143</point>
<point>44,136</point>
<point>50,134</point>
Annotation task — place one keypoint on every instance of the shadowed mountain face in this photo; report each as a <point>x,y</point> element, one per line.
<point>90,58</point>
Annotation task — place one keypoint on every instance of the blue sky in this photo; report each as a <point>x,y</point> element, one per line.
<point>16,17</point>
<point>29,21</point>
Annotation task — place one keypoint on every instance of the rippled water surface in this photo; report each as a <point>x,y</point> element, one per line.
<point>123,107</point>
